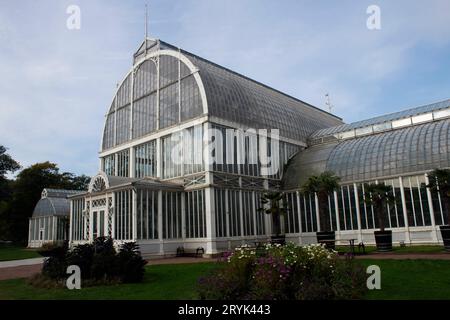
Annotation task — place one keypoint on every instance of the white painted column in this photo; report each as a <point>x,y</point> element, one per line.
<point>211,247</point>
<point>70,223</point>
<point>299,213</point>
<point>405,212</point>
<point>183,215</point>
<point>113,215</point>
<point>434,235</point>
<point>158,158</point>
<point>29,231</point>
<point>316,201</point>
<point>358,213</point>
<point>54,227</point>
<point>160,223</point>
<point>241,211</point>
<point>116,164</point>
<point>134,214</point>
<point>132,163</point>
<point>253,201</point>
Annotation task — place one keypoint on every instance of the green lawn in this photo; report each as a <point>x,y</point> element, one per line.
<point>400,279</point>
<point>412,279</point>
<point>408,249</point>
<point>9,252</point>
<point>171,282</point>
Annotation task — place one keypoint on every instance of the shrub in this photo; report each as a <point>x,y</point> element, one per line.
<point>55,265</point>
<point>104,260</point>
<point>284,272</point>
<point>99,263</point>
<point>130,263</point>
<point>82,255</point>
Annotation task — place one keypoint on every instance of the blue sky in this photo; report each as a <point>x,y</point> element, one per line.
<point>56,84</point>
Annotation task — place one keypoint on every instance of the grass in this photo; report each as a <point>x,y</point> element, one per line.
<point>407,249</point>
<point>412,279</point>
<point>162,282</point>
<point>400,279</point>
<point>11,252</point>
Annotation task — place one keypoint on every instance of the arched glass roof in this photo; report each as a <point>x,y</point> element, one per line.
<point>398,152</point>
<point>146,102</point>
<point>54,202</point>
<point>385,121</point>
<point>52,207</point>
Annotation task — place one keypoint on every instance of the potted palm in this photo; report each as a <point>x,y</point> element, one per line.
<point>439,181</point>
<point>379,196</point>
<point>323,185</point>
<point>272,204</point>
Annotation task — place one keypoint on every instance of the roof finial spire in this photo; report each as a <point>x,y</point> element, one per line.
<point>328,102</point>
<point>146,21</point>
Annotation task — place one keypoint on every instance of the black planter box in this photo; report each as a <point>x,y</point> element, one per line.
<point>383,240</point>
<point>445,233</point>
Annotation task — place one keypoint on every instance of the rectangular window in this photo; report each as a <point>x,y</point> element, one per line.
<point>145,160</point>
<point>171,213</point>
<point>123,163</point>
<point>195,216</point>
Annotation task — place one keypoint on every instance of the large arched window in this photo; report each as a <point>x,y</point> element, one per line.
<point>158,93</point>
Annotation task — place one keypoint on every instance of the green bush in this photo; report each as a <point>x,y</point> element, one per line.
<point>55,264</point>
<point>104,261</point>
<point>130,262</point>
<point>82,256</point>
<point>284,272</point>
<point>98,261</point>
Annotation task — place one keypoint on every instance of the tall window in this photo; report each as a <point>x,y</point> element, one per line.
<point>123,216</point>
<point>109,165</point>
<point>123,163</point>
<point>147,214</point>
<point>175,92</point>
<point>195,216</point>
<point>171,213</point>
<point>291,224</point>
<point>145,160</point>
<point>416,201</point>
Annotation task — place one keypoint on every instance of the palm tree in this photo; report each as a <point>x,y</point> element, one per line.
<point>272,204</point>
<point>322,185</point>
<point>439,181</point>
<point>379,196</point>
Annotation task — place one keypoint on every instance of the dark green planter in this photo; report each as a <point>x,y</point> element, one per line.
<point>445,233</point>
<point>383,240</point>
<point>327,238</point>
<point>279,239</point>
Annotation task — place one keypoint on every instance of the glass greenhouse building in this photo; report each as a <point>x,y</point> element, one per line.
<point>189,147</point>
<point>50,220</point>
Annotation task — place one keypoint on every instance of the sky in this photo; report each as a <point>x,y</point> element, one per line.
<point>57,83</point>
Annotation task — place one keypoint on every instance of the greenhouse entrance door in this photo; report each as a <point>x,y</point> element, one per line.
<point>98,223</point>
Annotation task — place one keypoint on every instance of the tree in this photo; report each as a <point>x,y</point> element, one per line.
<point>7,163</point>
<point>322,185</point>
<point>272,204</point>
<point>379,196</point>
<point>439,181</point>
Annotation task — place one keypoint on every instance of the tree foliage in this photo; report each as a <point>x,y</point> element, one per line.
<point>322,185</point>
<point>380,196</point>
<point>272,204</point>
<point>19,196</point>
<point>439,181</point>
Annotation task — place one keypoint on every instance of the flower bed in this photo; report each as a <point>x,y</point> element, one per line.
<point>277,272</point>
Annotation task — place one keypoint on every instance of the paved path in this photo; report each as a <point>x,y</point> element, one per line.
<point>17,263</point>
